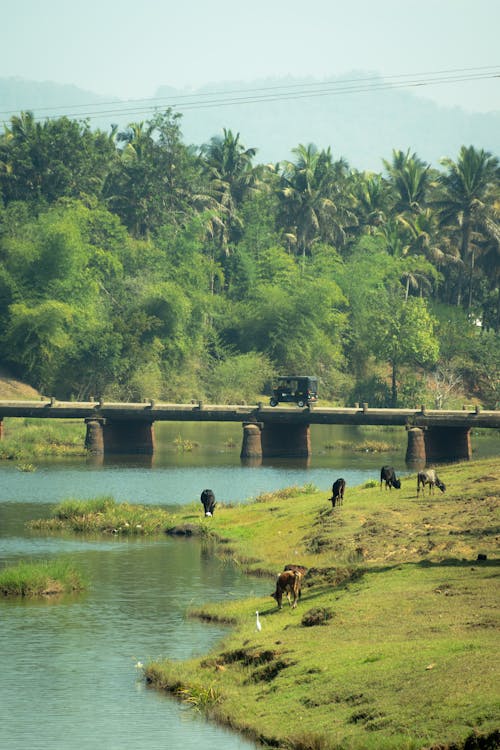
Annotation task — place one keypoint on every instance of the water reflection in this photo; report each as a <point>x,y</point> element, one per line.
<point>69,676</point>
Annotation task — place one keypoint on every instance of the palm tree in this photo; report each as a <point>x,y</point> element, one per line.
<point>409,177</point>
<point>371,195</point>
<point>470,187</point>
<point>228,166</point>
<point>314,208</point>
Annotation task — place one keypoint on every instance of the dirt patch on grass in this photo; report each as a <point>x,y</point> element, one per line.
<point>12,389</point>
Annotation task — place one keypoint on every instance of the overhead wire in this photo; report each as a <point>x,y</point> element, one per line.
<point>265,94</point>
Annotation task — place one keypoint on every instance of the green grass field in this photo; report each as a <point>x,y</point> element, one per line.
<point>405,652</point>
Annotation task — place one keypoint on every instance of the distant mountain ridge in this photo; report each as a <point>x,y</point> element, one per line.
<point>361,127</point>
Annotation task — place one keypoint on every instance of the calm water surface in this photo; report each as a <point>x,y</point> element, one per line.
<point>68,675</point>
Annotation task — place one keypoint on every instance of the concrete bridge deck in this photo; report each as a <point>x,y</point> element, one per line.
<point>200,412</point>
<point>117,427</point>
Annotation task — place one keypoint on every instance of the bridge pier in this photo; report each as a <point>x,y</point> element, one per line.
<point>94,439</point>
<point>286,440</point>
<point>437,444</point>
<point>251,446</point>
<point>447,444</point>
<point>415,449</point>
<point>119,437</point>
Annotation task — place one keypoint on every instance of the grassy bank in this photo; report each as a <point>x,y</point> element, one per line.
<point>394,643</point>
<point>28,439</point>
<point>40,579</point>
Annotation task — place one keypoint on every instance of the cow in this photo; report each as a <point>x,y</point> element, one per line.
<point>208,500</point>
<point>429,477</point>
<point>300,569</point>
<point>338,488</point>
<point>288,583</point>
<point>388,475</point>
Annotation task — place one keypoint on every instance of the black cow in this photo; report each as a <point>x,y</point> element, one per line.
<point>388,475</point>
<point>431,478</point>
<point>208,500</point>
<point>338,488</point>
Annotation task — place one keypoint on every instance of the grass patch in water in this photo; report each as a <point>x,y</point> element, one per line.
<point>366,446</point>
<point>40,579</point>
<point>104,515</point>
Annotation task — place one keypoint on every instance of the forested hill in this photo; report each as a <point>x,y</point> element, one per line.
<point>363,126</point>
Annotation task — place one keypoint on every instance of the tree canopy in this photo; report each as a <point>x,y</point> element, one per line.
<point>135,265</point>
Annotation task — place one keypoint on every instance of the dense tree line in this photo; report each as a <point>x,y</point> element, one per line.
<point>134,266</point>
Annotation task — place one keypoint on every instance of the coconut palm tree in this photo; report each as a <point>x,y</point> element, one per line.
<point>409,177</point>
<point>228,166</point>
<point>371,195</point>
<point>470,187</point>
<point>314,208</point>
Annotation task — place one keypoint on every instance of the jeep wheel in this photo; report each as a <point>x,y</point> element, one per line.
<point>300,403</point>
<point>273,402</point>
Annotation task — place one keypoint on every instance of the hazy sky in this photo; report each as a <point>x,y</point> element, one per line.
<point>130,47</point>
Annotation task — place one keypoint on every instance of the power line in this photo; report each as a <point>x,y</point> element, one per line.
<point>283,92</point>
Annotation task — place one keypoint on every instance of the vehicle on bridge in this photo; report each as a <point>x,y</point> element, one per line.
<point>298,389</point>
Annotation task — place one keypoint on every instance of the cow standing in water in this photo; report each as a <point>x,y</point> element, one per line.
<point>208,500</point>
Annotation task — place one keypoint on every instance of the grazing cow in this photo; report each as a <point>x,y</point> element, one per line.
<point>429,477</point>
<point>388,475</point>
<point>288,583</point>
<point>208,500</point>
<point>300,569</point>
<point>338,488</point>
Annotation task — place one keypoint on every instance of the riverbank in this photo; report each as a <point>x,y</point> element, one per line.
<point>394,641</point>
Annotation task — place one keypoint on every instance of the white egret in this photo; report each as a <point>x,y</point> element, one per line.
<point>258,626</point>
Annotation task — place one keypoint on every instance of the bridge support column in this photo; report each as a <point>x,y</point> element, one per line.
<point>94,439</point>
<point>286,440</point>
<point>447,444</point>
<point>251,446</point>
<point>128,438</point>
<point>415,449</point>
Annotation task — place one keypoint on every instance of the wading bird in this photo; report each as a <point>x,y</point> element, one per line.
<point>258,626</point>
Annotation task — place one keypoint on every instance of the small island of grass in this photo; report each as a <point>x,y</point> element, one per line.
<point>43,578</point>
<point>104,514</point>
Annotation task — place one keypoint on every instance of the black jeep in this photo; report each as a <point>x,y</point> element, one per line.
<point>298,389</point>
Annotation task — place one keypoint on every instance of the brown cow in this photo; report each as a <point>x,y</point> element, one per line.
<point>300,569</point>
<point>288,583</point>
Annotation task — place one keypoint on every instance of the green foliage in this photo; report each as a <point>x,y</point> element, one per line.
<point>238,378</point>
<point>135,266</point>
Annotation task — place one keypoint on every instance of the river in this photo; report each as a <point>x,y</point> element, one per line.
<point>69,674</point>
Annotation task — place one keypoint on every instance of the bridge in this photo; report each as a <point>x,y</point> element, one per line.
<point>127,428</point>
